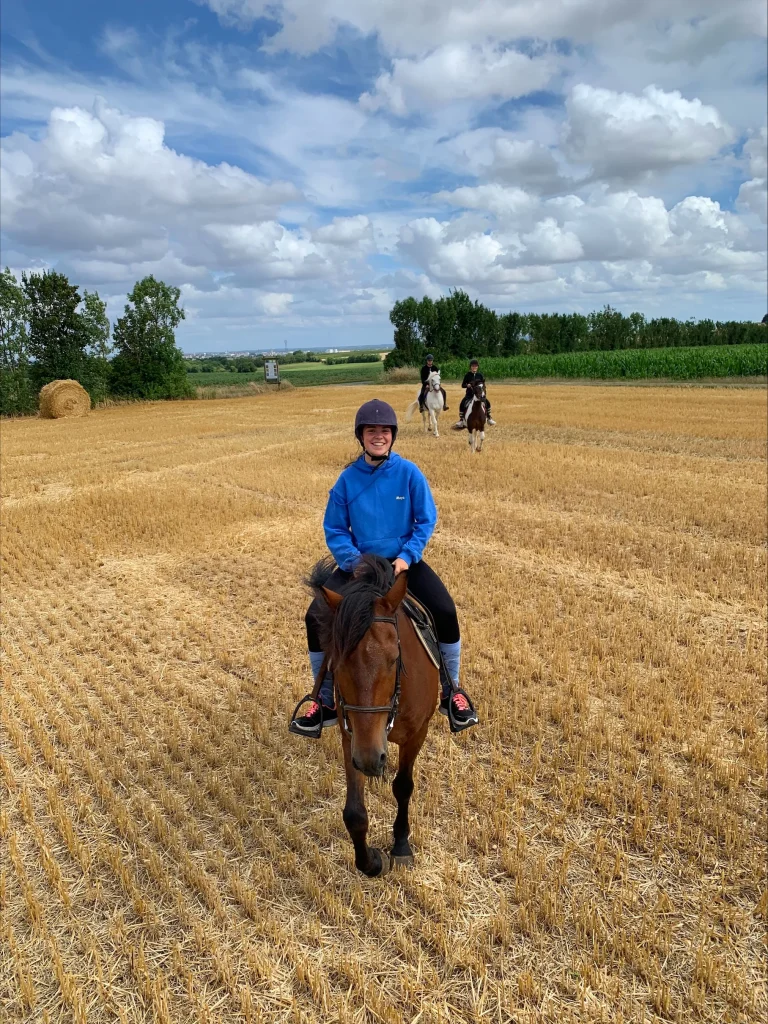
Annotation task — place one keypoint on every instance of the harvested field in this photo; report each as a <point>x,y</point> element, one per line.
<point>595,851</point>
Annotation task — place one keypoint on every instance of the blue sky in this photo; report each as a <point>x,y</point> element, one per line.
<point>297,166</point>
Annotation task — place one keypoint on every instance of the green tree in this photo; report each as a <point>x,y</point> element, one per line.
<point>148,364</point>
<point>17,394</point>
<point>513,328</point>
<point>57,340</point>
<point>408,349</point>
<point>609,329</point>
<point>95,328</point>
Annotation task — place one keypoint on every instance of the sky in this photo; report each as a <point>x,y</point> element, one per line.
<point>296,166</point>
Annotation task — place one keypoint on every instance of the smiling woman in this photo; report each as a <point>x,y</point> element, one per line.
<point>381,505</point>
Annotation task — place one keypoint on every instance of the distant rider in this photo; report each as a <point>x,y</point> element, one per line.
<point>427,368</point>
<point>382,504</point>
<point>473,377</point>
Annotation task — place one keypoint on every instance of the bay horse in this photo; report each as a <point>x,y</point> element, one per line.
<point>433,404</point>
<point>386,690</point>
<point>475,416</point>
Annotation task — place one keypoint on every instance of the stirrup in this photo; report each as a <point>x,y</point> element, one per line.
<point>461,726</point>
<point>312,734</point>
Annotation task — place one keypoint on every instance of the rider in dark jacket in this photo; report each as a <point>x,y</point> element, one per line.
<point>473,376</point>
<point>427,368</point>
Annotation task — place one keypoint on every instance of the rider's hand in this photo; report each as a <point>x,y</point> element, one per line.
<point>399,566</point>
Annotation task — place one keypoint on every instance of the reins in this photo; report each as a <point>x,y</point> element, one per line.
<point>377,709</point>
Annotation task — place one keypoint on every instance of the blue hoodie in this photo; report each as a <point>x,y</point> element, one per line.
<point>387,511</point>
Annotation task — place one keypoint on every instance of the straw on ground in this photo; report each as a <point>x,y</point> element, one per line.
<point>595,851</point>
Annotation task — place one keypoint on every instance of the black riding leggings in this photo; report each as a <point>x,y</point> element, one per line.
<point>423,583</point>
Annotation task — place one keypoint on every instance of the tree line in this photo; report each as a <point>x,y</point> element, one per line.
<point>456,327</point>
<point>49,331</point>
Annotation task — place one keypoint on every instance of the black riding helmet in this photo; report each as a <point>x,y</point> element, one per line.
<point>429,356</point>
<point>375,414</point>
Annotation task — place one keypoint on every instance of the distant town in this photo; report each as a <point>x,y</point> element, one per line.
<point>273,353</point>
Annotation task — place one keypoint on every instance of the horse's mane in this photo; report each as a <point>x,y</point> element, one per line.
<point>340,633</point>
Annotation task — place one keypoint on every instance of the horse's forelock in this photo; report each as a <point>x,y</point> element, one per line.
<point>373,576</point>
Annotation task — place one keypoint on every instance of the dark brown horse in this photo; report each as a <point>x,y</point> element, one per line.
<point>386,689</point>
<point>476,416</point>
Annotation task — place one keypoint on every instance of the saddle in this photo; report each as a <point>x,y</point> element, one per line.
<point>424,626</point>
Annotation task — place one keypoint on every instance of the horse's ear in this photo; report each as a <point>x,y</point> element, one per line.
<point>333,600</point>
<point>397,591</point>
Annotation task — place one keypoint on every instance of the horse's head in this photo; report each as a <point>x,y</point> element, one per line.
<point>434,381</point>
<point>365,659</point>
<point>478,389</point>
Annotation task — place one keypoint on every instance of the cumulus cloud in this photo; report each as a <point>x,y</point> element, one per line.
<point>408,27</point>
<point>103,179</point>
<point>580,192</point>
<point>622,135</point>
<point>525,238</point>
<point>454,73</point>
<point>276,303</point>
<point>753,194</point>
<point>346,231</point>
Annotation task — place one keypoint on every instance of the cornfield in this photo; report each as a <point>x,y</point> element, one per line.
<point>594,851</point>
<point>632,363</point>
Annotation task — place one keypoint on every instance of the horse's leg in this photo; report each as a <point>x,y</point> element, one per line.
<point>425,419</point>
<point>402,787</point>
<point>368,859</point>
<point>482,438</point>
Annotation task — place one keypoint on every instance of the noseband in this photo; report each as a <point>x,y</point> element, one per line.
<point>393,704</point>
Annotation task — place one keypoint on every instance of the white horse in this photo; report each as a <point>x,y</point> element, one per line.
<point>433,404</point>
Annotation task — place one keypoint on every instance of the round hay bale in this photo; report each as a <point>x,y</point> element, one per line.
<point>64,398</point>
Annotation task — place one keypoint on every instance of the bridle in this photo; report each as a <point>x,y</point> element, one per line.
<point>393,704</point>
<point>435,384</point>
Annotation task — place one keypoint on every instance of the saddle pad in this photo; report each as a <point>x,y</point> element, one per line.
<point>424,626</point>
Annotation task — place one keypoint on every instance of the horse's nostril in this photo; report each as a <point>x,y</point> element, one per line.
<point>383,759</point>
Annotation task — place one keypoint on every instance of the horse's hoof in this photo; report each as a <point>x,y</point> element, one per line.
<point>403,862</point>
<point>386,863</point>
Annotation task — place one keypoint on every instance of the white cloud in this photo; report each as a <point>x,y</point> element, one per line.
<point>345,231</point>
<point>327,209</point>
<point>525,239</point>
<point>753,194</point>
<point>507,203</point>
<point>276,303</point>
<point>412,27</point>
<point>454,73</point>
<point>106,180</point>
<point>106,193</point>
<point>623,135</point>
